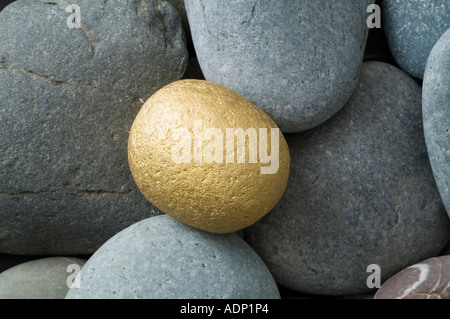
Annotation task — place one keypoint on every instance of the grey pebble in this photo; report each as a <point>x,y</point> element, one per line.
<point>412,28</point>
<point>47,278</point>
<point>161,258</point>
<point>68,99</point>
<point>436,114</point>
<point>360,192</point>
<point>298,61</point>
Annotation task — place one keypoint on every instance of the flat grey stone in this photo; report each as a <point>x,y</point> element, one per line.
<point>68,99</point>
<point>436,114</point>
<point>412,28</point>
<point>47,278</point>
<point>429,279</point>
<point>360,192</point>
<point>161,258</point>
<point>298,61</point>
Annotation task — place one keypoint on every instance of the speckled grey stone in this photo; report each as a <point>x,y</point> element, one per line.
<point>360,192</point>
<point>47,278</point>
<point>161,258</point>
<point>297,60</point>
<point>429,279</point>
<point>68,99</point>
<point>436,114</point>
<point>412,28</point>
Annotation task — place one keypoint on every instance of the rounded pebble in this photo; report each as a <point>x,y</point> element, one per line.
<point>161,258</point>
<point>360,192</point>
<point>429,279</point>
<point>412,28</point>
<point>197,151</point>
<point>298,61</point>
<point>47,278</point>
<point>436,114</point>
<point>68,97</point>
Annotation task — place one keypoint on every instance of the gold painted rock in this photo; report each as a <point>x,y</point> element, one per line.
<point>207,156</point>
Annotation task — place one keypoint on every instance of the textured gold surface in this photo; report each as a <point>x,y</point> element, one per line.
<point>216,197</point>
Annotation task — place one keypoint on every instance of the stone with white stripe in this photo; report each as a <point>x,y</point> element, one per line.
<point>429,279</point>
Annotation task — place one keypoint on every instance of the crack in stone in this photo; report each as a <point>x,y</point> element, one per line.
<point>208,28</point>
<point>247,23</point>
<point>76,84</point>
<point>92,44</point>
<point>35,75</point>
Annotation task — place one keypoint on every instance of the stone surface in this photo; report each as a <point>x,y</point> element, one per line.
<point>436,114</point>
<point>179,154</point>
<point>413,27</point>
<point>429,279</point>
<point>160,258</point>
<point>46,278</point>
<point>68,99</point>
<point>360,192</point>
<point>297,61</point>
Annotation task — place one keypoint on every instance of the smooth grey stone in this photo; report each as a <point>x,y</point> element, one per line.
<point>298,61</point>
<point>68,99</point>
<point>412,28</point>
<point>360,192</point>
<point>429,279</point>
<point>48,278</point>
<point>436,114</point>
<point>161,258</point>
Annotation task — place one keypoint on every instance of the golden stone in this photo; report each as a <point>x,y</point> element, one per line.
<point>208,157</point>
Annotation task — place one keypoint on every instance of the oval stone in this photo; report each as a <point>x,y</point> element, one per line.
<point>200,153</point>
<point>47,278</point>
<point>436,114</point>
<point>426,280</point>
<point>298,61</point>
<point>69,94</point>
<point>360,192</point>
<point>412,28</point>
<point>161,258</point>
